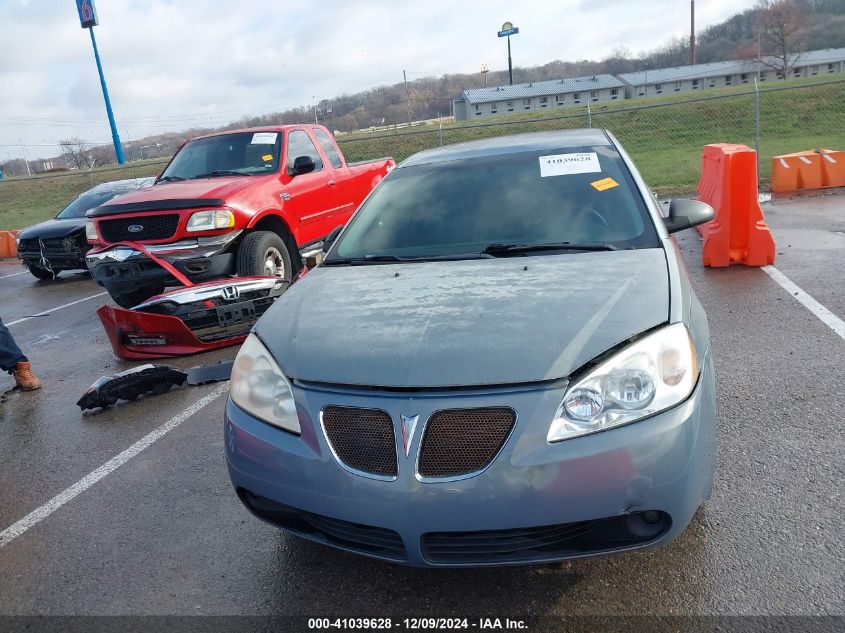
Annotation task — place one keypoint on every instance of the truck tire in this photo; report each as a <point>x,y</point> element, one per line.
<point>42,273</point>
<point>264,253</point>
<point>134,297</point>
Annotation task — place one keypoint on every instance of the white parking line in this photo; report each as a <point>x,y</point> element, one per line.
<point>23,272</point>
<point>825,316</point>
<point>47,312</point>
<point>41,513</point>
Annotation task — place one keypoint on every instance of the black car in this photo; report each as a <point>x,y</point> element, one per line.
<point>59,244</point>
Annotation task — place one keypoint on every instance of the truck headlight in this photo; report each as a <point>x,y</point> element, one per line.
<point>259,387</point>
<point>651,375</point>
<point>90,232</point>
<point>211,220</point>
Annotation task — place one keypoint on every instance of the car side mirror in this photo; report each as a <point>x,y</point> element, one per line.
<point>684,213</point>
<point>331,237</point>
<point>303,165</point>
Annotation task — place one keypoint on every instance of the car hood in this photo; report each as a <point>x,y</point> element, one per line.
<point>474,322</point>
<point>213,189</point>
<point>52,229</point>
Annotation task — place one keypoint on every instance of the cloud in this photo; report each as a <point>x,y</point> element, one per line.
<point>171,64</point>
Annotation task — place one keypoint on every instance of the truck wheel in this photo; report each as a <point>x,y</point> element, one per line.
<point>41,273</point>
<point>264,253</point>
<point>134,297</point>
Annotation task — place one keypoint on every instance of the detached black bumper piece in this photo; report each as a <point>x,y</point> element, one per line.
<point>130,385</point>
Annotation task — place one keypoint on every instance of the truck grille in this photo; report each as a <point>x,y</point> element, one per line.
<point>463,441</point>
<point>362,439</point>
<point>153,227</point>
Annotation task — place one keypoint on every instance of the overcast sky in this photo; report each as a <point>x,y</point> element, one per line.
<point>173,63</point>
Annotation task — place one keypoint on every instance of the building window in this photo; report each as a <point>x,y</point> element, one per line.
<point>526,103</point>
<point>658,88</point>
<point>677,86</point>
<point>477,109</point>
<point>494,107</point>
<point>796,72</point>
<point>594,95</point>
<point>695,84</point>
<point>576,97</point>
<point>728,79</point>
<point>763,75</point>
<point>559,99</point>
<point>831,68</point>
<point>510,106</point>
<point>641,90</point>
<point>712,83</point>
<point>543,102</point>
<point>814,70</point>
<point>744,78</point>
<point>614,93</point>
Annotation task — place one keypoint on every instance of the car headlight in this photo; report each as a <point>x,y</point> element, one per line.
<point>259,387</point>
<point>90,232</point>
<point>652,374</point>
<point>211,220</point>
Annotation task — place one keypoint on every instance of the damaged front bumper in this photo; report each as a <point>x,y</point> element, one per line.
<point>190,320</point>
<point>200,258</point>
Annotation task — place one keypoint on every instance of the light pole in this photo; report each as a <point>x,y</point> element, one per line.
<point>509,29</point>
<point>88,20</point>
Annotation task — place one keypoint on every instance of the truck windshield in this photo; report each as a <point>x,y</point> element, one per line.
<point>498,205</point>
<point>243,153</point>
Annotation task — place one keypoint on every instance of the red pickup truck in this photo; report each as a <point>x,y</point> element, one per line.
<point>245,202</point>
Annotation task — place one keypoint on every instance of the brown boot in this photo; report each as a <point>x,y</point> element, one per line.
<point>24,378</point>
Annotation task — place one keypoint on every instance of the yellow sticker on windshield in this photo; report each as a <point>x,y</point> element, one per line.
<point>604,183</point>
<point>267,157</point>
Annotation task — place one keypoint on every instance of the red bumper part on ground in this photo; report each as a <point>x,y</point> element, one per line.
<point>190,320</point>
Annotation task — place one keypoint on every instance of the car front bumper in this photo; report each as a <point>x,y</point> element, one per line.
<point>198,259</point>
<point>588,493</point>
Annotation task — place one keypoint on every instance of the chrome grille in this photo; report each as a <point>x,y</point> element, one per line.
<point>362,439</point>
<point>460,442</point>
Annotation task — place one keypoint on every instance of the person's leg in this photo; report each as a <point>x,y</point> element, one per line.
<point>10,353</point>
<point>13,361</point>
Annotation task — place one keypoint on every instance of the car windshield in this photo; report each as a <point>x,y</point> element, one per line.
<point>89,200</point>
<point>241,154</point>
<point>498,205</point>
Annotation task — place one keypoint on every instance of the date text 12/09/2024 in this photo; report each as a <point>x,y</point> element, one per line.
<point>416,624</point>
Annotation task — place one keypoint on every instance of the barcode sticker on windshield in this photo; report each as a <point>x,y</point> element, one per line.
<point>264,138</point>
<point>567,164</point>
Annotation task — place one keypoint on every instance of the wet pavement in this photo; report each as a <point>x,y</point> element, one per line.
<point>165,534</point>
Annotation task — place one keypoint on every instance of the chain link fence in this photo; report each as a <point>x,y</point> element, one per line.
<point>664,138</point>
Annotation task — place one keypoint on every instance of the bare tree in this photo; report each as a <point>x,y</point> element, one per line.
<point>78,153</point>
<point>781,25</point>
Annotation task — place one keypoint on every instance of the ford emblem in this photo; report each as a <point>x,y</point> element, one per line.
<point>135,228</point>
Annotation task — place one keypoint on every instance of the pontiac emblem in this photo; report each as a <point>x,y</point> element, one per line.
<point>409,425</point>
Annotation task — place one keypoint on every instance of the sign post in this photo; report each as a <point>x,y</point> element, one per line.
<point>509,29</point>
<point>88,20</point>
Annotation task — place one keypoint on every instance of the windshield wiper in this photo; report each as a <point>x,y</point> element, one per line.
<point>170,178</point>
<point>381,259</point>
<point>220,172</point>
<point>503,250</point>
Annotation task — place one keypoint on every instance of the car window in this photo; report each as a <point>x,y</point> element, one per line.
<point>581,195</point>
<point>329,148</point>
<point>300,144</point>
<point>89,200</point>
<point>247,153</point>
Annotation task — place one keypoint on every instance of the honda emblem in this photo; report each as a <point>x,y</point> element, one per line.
<point>231,293</point>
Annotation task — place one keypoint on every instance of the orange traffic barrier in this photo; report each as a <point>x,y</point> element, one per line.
<point>817,169</point>
<point>738,233</point>
<point>8,246</point>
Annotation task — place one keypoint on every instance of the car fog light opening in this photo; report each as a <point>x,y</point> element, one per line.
<point>650,375</point>
<point>259,387</point>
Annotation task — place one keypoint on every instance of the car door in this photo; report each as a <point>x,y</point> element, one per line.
<point>344,186</point>
<point>312,196</point>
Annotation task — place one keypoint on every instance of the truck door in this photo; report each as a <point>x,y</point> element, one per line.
<point>344,187</point>
<point>312,196</point>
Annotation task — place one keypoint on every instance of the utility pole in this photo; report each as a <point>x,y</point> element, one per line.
<point>26,162</point>
<point>692,33</point>
<point>408,95</point>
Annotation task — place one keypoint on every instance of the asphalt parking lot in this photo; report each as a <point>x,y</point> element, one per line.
<point>163,533</point>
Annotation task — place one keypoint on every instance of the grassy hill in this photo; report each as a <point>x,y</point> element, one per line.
<point>664,137</point>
